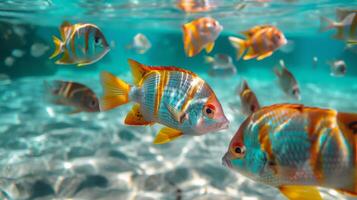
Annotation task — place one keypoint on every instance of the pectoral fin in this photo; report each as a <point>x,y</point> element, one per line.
<point>134,117</point>
<point>299,192</point>
<point>167,135</point>
<point>209,47</point>
<point>261,57</point>
<point>251,54</point>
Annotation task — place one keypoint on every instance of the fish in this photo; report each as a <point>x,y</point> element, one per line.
<point>38,49</point>
<point>338,68</point>
<point>261,41</point>
<point>9,61</point>
<point>296,149</point>
<point>176,98</point>
<point>287,81</point>
<point>341,13</point>
<point>221,65</point>
<point>248,99</point>
<point>315,61</point>
<point>195,6</point>
<point>140,44</point>
<point>200,34</point>
<point>73,95</point>
<point>18,53</point>
<point>346,29</point>
<point>81,44</point>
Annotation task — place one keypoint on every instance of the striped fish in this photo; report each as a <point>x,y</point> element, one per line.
<point>171,96</point>
<point>81,44</point>
<point>72,94</point>
<point>261,42</point>
<point>297,149</point>
<point>194,6</point>
<point>200,34</point>
<point>248,99</point>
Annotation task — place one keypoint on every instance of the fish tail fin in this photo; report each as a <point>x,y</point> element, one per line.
<point>239,44</point>
<point>326,24</point>
<point>58,47</point>
<point>116,92</point>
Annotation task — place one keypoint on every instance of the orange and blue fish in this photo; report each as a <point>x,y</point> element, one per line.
<point>176,98</point>
<point>80,44</point>
<point>194,6</point>
<point>297,149</point>
<point>261,42</point>
<point>200,34</point>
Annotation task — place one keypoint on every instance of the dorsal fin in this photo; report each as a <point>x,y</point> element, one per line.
<point>65,30</point>
<point>244,86</point>
<point>138,70</point>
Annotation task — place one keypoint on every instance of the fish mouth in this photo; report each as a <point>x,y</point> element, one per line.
<point>226,162</point>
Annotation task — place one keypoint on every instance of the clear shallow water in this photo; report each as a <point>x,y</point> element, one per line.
<point>46,154</point>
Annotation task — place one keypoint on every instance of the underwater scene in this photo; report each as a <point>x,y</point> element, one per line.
<point>178,99</point>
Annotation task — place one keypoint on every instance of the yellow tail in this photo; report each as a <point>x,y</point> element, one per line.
<point>116,92</point>
<point>239,44</point>
<point>58,47</point>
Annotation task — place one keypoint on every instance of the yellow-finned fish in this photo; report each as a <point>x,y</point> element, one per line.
<point>71,94</point>
<point>173,97</point>
<point>346,28</point>
<point>248,99</point>
<point>194,6</point>
<point>297,149</point>
<point>80,44</point>
<point>261,42</point>
<point>200,34</point>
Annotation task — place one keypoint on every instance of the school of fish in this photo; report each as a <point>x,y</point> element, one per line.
<point>291,147</point>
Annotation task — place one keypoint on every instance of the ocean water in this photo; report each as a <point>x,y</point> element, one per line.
<point>48,154</point>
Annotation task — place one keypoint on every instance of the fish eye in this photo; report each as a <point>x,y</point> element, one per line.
<point>209,110</point>
<point>93,103</point>
<point>239,151</point>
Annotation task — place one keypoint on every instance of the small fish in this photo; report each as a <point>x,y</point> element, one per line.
<point>38,49</point>
<point>261,42</point>
<point>338,68</point>
<point>194,6</point>
<point>346,29</point>
<point>81,44</point>
<point>173,97</point>
<point>315,61</point>
<point>221,65</point>
<point>249,102</point>
<point>140,44</point>
<point>18,53</point>
<point>200,34</point>
<point>72,94</point>
<point>9,61</point>
<point>287,82</point>
<point>297,149</point>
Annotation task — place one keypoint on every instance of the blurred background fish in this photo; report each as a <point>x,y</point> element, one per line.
<point>287,81</point>
<point>76,96</point>
<point>81,44</point>
<point>221,65</point>
<point>140,44</point>
<point>200,34</point>
<point>338,68</point>
<point>261,42</point>
<point>346,28</point>
<point>248,99</point>
<point>194,6</point>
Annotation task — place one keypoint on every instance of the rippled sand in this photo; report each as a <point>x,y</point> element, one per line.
<point>46,154</point>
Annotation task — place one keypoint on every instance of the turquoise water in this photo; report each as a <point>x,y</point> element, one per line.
<point>48,154</point>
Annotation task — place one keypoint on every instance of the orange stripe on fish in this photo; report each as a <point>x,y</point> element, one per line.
<point>68,88</point>
<point>86,41</point>
<point>196,84</point>
<point>265,145</point>
<point>163,81</point>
